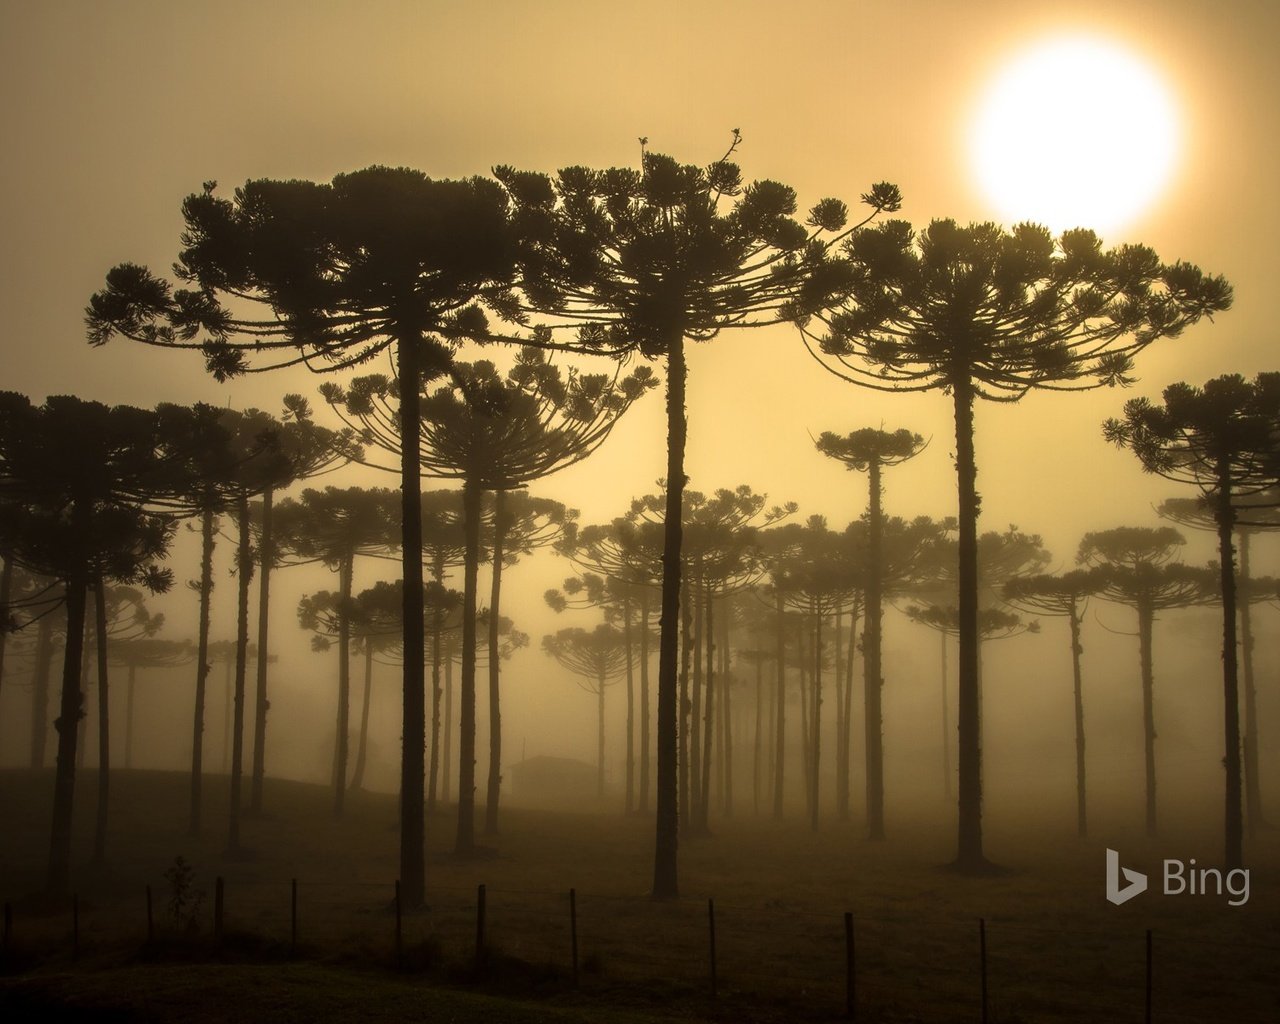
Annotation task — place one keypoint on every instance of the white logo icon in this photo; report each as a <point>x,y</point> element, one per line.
<point>1137,881</point>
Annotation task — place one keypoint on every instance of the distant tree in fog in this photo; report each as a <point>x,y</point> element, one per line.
<point>597,658</point>
<point>871,451</point>
<point>336,526</point>
<point>645,260</point>
<point>1066,594</point>
<point>74,477</point>
<point>979,312</point>
<point>1139,568</point>
<point>145,652</point>
<point>495,433</point>
<point>1223,438</point>
<point>382,260</point>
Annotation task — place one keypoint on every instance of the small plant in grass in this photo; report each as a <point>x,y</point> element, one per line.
<point>185,898</point>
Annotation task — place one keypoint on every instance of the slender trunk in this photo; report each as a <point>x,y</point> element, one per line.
<point>464,844</point>
<point>667,831</point>
<point>202,666</point>
<point>600,738</point>
<point>90,636</point>
<point>40,691</point>
<point>846,723</point>
<point>1146,619</point>
<point>806,715</point>
<point>842,749</point>
<point>697,795</point>
<point>446,782</point>
<point>413,877</point>
<point>437,629</point>
<point>643,804</point>
<point>1253,787</point>
<point>629,802</point>
<point>686,654</point>
<point>342,727</point>
<point>726,704</point>
<point>1082,823</point>
<point>969,853</point>
<point>104,726</point>
<point>266,558</point>
<point>128,715</point>
<point>873,677</point>
<point>244,575</point>
<point>228,690</point>
<point>1234,816</point>
<point>756,742</point>
<point>780,735</point>
<point>58,879</point>
<point>708,713</point>
<point>946,721</point>
<point>817,709</point>
<point>495,710</point>
<point>362,748</point>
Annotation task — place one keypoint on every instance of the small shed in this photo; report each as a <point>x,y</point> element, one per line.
<point>560,783</point>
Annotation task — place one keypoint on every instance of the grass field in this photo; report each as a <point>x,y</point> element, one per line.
<point>1057,951</point>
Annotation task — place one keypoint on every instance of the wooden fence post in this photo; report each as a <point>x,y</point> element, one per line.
<point>480,901</point>
<point>151,921</point>
<point>217,907</point>
<point>573,931</point>
<point>1147,1018</point>
<point>293,916</point>
<point>399,930</point>
<point>711,924</point>
<point>982,954</point>
<point>850,982</point>
<point>75,925</point>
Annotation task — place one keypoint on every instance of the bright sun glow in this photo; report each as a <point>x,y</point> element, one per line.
<point>1075,132</point>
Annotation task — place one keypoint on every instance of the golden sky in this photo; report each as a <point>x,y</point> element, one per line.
<point>113,112</point>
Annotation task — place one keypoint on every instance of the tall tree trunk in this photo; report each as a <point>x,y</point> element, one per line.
<point>266,559</point>
<point>686,654</point>
<point>846,723</point>
<point>708,712</point>
<point>495,708</point>
<point>464,844</point>
<point>362,749</point>
<point>756,743</point>
<point>40,690</point>
<point>1146,620</point>
<point>228,690</point>
<point>1077,689</point>
<point>843,693</point>
<point>806,715</point>
<point>342,727</point>
<point>817,710</point>
<point>58,879</point>
<point>667,831</point>
<point>244,575</point>
<point>643,804</point>
<point>873,676</point>
<point>437,654</point>
<point>413,878</point>
<point>128,715</point>
<point>104,726</point>
<point>6,591</point>
<point>780,742</point>
<point>1234,816</point>
<point>629,802</point>
<point>697,796</point>
<point>446,782</point>
<point>726,705</point>
<point>1253,787</point>
<point>969,853</point>
<point>90,638</point>
<point>202,666</point>
<point>600,738</point>
<point>946,721</point>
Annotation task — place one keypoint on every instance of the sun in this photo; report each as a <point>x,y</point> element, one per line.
<point>1075,131</point>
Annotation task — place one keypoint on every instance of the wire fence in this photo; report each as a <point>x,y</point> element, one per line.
<point>907,966</point>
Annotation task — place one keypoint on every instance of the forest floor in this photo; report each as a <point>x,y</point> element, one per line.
<point>1056,950</point>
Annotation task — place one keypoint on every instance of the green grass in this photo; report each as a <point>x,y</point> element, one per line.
<point>1057,950</point>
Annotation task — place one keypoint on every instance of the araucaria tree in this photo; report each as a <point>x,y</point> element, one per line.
<point>1223,439</point>
<point>380,260</point>
<point>645,261</point>
<point>871,451</point>
<point>74,477</point>
<point>979,312</point>
<point>1139,568</point>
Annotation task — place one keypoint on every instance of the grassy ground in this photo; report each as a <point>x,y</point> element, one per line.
<point>1057,951</point>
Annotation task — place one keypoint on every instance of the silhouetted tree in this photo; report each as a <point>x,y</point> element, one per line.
<point>597,658</point>
<point>643,261</point>
<point>1066,594</point>
<point>337,526</point>
<point>1221,438</point>
<point>979,312</point>
<point>870,451</point>
<point>145,652</point>
<point>1138,569</point>
<point>380,260</point>
<point>73,479</point>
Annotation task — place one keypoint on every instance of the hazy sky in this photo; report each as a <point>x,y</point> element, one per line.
<point>114,111</point>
